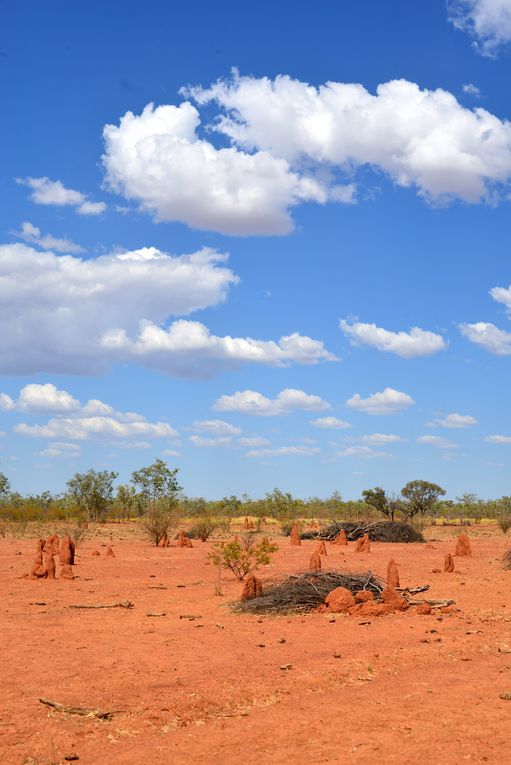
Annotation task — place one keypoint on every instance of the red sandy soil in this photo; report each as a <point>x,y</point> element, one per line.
<point>399,689</point>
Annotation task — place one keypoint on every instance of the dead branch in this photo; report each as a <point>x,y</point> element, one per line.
<point>84,711</point>
<point>121,604</point>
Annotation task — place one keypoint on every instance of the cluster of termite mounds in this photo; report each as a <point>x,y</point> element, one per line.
<point>252,588</point>
<point>43,566</point>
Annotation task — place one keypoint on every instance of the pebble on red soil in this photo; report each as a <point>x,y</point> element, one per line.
<point>315,561</point>
<point>109,552</point>
<point>252,588</point>
<point>463,549</point>
<point>392,574</point>
<point>95,553</point>
<point>340,600</point>
<point>448,563</point>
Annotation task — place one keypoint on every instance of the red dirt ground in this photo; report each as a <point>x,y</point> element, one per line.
<point>398,689</point>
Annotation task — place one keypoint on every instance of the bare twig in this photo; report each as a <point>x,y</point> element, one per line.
<point>121,604</point>
<point>84,711</point>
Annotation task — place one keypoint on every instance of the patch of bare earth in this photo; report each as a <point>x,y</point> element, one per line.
<point>188,681</point>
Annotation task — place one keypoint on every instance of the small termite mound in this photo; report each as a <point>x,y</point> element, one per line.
<point>252,588</point>
<point>183,540</point>
<point>294,537</point>
<point>363,544</point>
<point>448,563</point>
<point>341,539</point>
<point>315,561</point>
<point>340,600</point>
<point>392,574</point>
<point>463,549</point>
<point>321,548</point>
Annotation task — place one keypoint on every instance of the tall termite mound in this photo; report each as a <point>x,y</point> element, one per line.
<point>448,563</point>
<point>363,544</point>
<point>392,574</point>
<point>463,548</point>
<point>341,538</point>
<point>315,561</point>
<point>294,537</point>
<point>252,588</point>
<point>183,540</point>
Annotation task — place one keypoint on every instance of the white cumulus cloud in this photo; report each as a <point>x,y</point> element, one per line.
<point>77,422</point>
<point>408,345</point>
<point>32,234</point>
<point>331,423</point>
<point>187,348</point>
<point>66,314</point>
<point>158,159</point>
<point>453,420</point>
<point>362,452</point>
<point>47,192</point>
<point>488,22</point>
<point>498,439</point>
<point>61,449</point>
<point>285,451</point>
<point>419,138</point>
<point>488,336</point>
<point>441,443</point>
<point>380,439</point>
<point>287,401</point>
<point>216,427</point>
<point>388,401</point>
<point>203,441</point>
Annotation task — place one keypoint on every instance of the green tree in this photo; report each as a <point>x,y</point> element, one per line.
<point>378,499</point>
<point>157,484</point>
<point>126,498</point>
<point>93,492</point>
<point>420,497</point>
<point>5,486</point>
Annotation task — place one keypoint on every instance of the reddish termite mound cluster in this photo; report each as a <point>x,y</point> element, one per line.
<point>43,566</point>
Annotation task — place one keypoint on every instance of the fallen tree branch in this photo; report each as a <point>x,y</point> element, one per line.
<point>413,590</point>
<point>84,711</point>
<point>121,604</point>
<point>432,603</point>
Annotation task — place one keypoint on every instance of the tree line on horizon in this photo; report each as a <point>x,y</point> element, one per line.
<point>93,496</point>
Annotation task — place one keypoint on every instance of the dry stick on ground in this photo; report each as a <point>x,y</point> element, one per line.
<point>84,711</point>
<point>413,590</point>
<point>121,604</point>
<point>432,603</point>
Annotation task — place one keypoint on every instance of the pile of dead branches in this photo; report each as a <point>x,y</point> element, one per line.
<point>304,592</point>
<point>380,531</point>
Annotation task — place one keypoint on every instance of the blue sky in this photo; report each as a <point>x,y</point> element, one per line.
<point>211,244</point>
